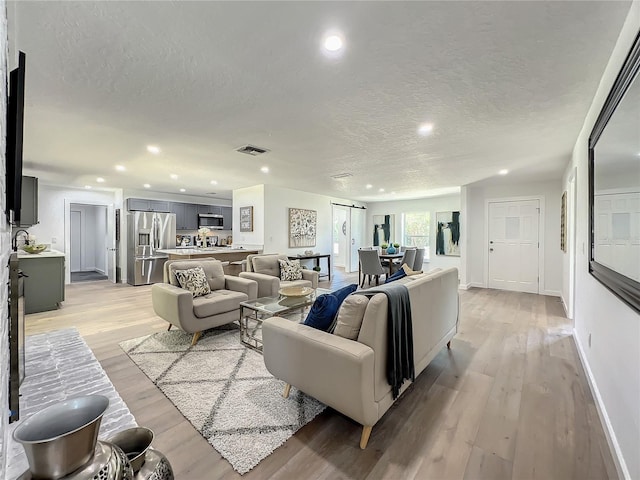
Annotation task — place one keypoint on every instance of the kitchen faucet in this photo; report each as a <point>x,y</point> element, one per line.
<point>14,242</point>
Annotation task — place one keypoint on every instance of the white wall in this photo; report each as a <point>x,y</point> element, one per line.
<point>431,205</point>
<point>476,259</point>
<point>5,248</point>
<point>249,197</point>
<point>613,359</point>
<point>340,217</point>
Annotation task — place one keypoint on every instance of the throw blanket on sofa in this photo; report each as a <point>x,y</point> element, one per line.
<point>400,365</point>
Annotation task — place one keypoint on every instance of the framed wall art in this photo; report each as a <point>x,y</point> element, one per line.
<point>302,227</point>
<point>246,219</point>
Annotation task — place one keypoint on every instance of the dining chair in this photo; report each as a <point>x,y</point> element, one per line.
<point>417,263</point>
<point>408,257</point>
<point>370,266</point>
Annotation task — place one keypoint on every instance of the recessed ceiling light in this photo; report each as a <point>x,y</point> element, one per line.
<point>182,190</point>
<point>120,168</point>
<point>368,186</point>
<point>153,149</point>
<point>333,43</point>
<point>88,187</point>
<point>504,171</point>
<point>146,185</point>
<point>173,176</point>
<point>264,169</point>
<point>425,128</point>
<point>381,190</point>
<point>100,180</point>
<point>213,182</point>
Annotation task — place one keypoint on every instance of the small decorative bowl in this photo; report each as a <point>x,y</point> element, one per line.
<point>34,248</point>
<point>295,291</point>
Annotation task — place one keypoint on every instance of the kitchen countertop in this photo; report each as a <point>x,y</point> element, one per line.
<point>46,254</point>
<point>208,250</point>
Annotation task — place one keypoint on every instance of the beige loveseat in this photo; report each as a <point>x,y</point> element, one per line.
<point>265,269</point>
<point>193,315</point>
<point>349,375</point>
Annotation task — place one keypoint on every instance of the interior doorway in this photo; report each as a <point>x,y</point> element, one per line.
<point>571,243</point>
<point>88,242</point>
<point>513,245</point>
<point>348,236</point>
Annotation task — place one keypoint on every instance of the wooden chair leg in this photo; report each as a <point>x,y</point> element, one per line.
<point>449,344</point>
<point>366,433</point>
<point>287,389</point>
<point>196,337</point>
<point>363,279</point>
<point>170,325</point>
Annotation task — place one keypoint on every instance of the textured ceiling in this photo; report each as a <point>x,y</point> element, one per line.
<point>506,84</point>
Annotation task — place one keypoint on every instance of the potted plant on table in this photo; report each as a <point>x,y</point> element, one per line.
<point>384,247</point>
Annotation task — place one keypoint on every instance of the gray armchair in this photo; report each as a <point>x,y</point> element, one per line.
<point>265,269</point>
<point>193,315</point>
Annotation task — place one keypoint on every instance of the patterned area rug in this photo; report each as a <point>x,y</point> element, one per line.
<point>225,391</point>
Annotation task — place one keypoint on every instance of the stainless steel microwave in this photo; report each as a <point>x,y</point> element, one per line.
<point>213,221</point>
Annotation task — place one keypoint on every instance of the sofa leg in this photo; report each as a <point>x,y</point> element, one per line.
<point>287,389</point>
<point>170,325</point>
<point>364,439</point>
<point>196,337</point>
<point>449,344</point>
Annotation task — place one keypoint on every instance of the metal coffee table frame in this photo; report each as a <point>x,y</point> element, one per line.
<point>266,307</point>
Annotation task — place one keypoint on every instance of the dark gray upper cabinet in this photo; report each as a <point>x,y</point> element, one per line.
<point>214,209</point>
<point>190,216</point>
<point>29,200</point>
<point>143,205</point>
<point>227,218</point>
<point>178,210</point>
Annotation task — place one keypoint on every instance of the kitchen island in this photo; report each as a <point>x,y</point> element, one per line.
<point>43,281</point>
<point>224,254</point>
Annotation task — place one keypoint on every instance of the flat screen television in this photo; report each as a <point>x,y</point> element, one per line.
<point>15,124</point>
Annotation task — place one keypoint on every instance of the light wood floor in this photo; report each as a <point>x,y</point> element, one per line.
<point>509,400</point>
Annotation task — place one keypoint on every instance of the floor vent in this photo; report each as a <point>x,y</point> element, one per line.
<point>252,150</point>
<point>342,175</point>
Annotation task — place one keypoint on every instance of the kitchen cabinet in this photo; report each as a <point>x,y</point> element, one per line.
<point>29,202</point>
<point>186,215</point>
<point>144,205</point>
<point>227,218</point>
<point>211,209</point>
<point>43,281</point>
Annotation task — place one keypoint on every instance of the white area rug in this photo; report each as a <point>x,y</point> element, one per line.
<point>225,391</point>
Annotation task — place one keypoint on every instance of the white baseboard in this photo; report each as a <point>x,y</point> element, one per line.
<point>614,446</point>
<point>564,305</point>
<point>552,293</point>
<point>463,286</point>
<point>100,271</point>
<point>476,285</point>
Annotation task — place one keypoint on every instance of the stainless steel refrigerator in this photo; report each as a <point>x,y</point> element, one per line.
<point>148,232</point>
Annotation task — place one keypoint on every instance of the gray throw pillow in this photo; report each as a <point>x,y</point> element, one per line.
<point>194,280</point>
<point>350,316</point>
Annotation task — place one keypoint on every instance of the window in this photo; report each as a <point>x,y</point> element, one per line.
<point>415,230</point>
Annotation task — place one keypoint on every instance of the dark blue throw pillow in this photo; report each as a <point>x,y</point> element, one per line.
<point>326,307</point>
<point>399,274</point>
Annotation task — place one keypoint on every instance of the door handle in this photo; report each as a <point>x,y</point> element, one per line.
<point>491,241</point>
<point>491,249</point>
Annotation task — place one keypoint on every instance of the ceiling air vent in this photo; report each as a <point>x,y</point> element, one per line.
<point>252,150</point>
<point>342,175</point>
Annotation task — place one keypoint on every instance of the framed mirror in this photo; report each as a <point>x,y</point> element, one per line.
<point>383,229</point>
<point>448,233</point>
<point>614,186</point>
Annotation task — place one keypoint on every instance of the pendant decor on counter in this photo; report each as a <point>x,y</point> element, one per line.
<point>61,442</point>
<point>391,250</point>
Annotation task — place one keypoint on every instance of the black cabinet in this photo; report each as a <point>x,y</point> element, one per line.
<point>178,210</point>
<point>143,205</point>
<point>227,218</point>
<point>29,202</point>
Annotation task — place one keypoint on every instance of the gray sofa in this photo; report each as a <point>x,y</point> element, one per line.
<point>193,315</point>
<point>349,375</point>
<point>265,269</point>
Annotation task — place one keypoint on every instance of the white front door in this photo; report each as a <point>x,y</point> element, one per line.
<point>513,245</point>
<point>357,235</point>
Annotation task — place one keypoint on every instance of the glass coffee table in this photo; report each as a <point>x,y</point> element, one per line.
<point>253,312</point>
